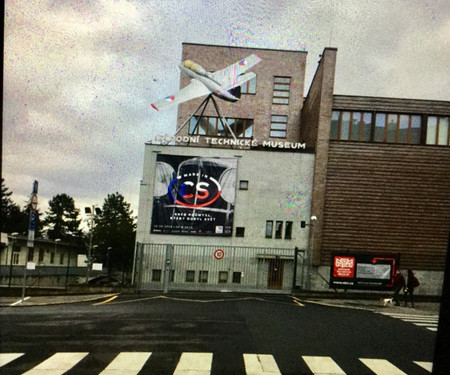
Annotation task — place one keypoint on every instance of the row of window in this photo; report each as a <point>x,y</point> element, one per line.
<point>202,276</point>
<point>16,253</point>
<point>277,230</point>
<point>213,127</point>
<point>389,128</point>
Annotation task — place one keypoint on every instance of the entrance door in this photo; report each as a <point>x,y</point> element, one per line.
<point>275,274</point>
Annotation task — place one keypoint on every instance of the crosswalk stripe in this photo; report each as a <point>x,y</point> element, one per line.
<point>425,365</point>
<point>425,324</point>
<point>5,358</point>
<point>323,365</point>
<point>381,366</point>
<point>129,363</point>
<point>194,363</point>
<point>57,364</point>
<point>398,315</point>
<point>260,364</point>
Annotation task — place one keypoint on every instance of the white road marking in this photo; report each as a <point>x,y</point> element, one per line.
<point>57,364</point>
<point>194,364</point>
<point>425,365</point>
<point>322,365</point>
<point>260,364</point>
<point>381,366</point>
<point>129,363</point>
<point>5,358</point>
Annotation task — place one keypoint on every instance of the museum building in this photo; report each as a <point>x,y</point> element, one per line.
<point>304,179</point>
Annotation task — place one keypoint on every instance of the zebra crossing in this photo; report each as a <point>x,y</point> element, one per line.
<point>429,322</point>
<point>189,363</point>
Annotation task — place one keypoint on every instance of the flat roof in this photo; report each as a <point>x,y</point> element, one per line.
<point>255,48</point>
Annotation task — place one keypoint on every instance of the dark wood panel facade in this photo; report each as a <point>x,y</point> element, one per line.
<point>388,198</point>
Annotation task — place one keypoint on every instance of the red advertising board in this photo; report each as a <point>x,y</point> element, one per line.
<point>344,267</point>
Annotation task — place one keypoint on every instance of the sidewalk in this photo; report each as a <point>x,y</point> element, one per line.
<point>51,300</point>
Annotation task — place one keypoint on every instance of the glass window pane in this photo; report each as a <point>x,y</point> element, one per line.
<point>277,126</point>
<point>223,277</point>
<point>192,129</point>
<point>367,127</point>
<point>282,80</point>
<point>203,126</point>
<point>252,86</point>
<point>415,130</point>
<point>190,276</point>
<point>278,134</point>
<point>403,129</point>
<point>280,101</point>
<point>334,125</point>
<point>212,125</point>
<point>443,131</point>
<point>269,228</point>
<point>380,123</point>
<point>288,230</point>
<point>345,126</point>
<point>237,277</point>
<point>431,130</point>
<point>249,129</point>
<point>240,128</point>
<point>391,127</point>
<point>279,86</point>
<point>276,118</point>
<point>278,229</point>
<point>356,124</point>
<point>221,132</point>
<point>281,93</point>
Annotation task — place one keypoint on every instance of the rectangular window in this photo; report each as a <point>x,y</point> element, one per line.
<point>240,231</point>
<point>190,276</point>
<point>279,229</point>
<point>281,90</point>
<point>243,185</point>
<point>278,126</point>
<point>172,276</point>
<point>249,87</point>
<point>15,258</point>
<point>397,128</point>
<point>269,228</point>
<point>156,275</point>
<point>203,276</point>
<point>30,254</point>
<point>351,126</point>
<point>61,258</point>
<point>41,255</point>
<point>288,230</point>
<point>237,277</point>
<point>223,277</point>
<point>52,258</point>
<point>214,127</point>
<point>437,131</point>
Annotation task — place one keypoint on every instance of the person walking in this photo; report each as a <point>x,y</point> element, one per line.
<point>398,284</point>
<point>411,284</point>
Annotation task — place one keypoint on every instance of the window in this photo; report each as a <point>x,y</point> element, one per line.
<point>243,185</point>
<point>240,231</point>
<point>396,128</point>
<point>278,126</point>
<point>41,255</point>
<point>213,127</point>
<point>237,277</point>
<point>52,258</point>
<point>269,228</point>
<point>437,131</point>
<point>288,230</point>
<point>203,276</point>
<point>156,275</point>
<point>249,87</point>
<point>279,229</point>
<point>30,254</point>
<point>351,126</point>
<point>15,258</point>
<point>190,276</point>
<point>61,258</point>
<point>223,277</point>
<point>172,276</point>
<point>281,87</point>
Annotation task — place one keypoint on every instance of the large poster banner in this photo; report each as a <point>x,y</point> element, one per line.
<point>363,271</point>
<point>194,195</point>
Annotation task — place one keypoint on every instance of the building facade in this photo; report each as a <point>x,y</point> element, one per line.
<point>372,173</point>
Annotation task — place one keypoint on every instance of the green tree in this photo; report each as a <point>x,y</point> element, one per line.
<point>13,219</point>
<point>115,229</point>
<point>62,219</point>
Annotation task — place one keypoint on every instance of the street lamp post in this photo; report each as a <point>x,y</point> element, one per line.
<point>107,260</point>
<point>90,214</point>
<point>56,247</point>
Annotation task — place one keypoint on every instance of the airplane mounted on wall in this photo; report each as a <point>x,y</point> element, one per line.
<point>224,83</point>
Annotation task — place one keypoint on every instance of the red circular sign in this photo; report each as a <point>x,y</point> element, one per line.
<point>219,254</point>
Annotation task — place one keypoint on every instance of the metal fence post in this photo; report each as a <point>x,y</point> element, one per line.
<point>167,268</point>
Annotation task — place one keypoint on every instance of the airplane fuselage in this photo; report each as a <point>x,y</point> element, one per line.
<point>207,79</point>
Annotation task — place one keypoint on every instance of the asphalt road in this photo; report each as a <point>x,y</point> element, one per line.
<point>227,329</point>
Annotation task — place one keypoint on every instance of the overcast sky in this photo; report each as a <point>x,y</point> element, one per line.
<point>79,76</point>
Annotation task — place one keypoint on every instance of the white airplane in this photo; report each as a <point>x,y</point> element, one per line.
<point>223,83</point>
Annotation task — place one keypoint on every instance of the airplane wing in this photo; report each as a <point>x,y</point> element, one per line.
<point>191,91</point>
<point>228,76</point>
